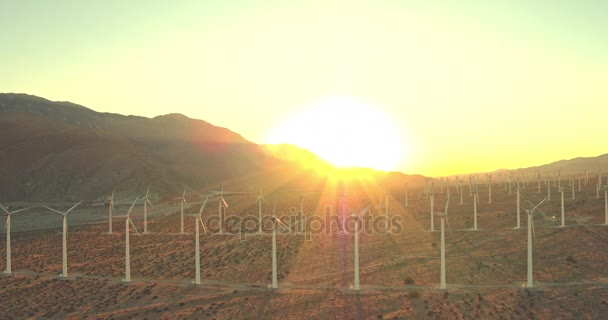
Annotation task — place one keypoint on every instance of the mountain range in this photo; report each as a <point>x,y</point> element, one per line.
<point>59,151</point>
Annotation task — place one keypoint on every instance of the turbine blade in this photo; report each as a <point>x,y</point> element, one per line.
<point>147,191</point>
<point>284,225</point>
<point>133,225</point>
<point>446,205</point>
<point>20,210</point>
<point>202,224</point>
<point>224,202</point>
<point>539,204</point>
<point>56,211</point>
<point>133,204</point>
<point>150,203</point>
<point>74,206</point>
<point>448,222</point>
<point>4,209</point>
<point>203,206</point>
<point>184,194</point>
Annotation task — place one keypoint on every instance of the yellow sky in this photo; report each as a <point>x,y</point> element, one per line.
<point>470,87</point>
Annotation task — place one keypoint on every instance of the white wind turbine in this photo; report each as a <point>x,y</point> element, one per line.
<point>259,200</point>
<point>432,197</point>
<point>110,211</point>
<point>64,274</point>
<point>386,208</point>
<point>146,202</point>
<point>475,202</point>
<point>518,226</point>
<point>197,251</point>
<point>561,190</point>
<point>356,249</point>
<point>8,237</point>
<point>274,244</point>
<point>572,185</point>
<point>489,188</point>
<point>599,186</point>
<point>182,200</point>
<point>406,196</point>
<point>530,280</point>
<point>128,223</point>
<point>301,223</point>
<point>605,188</point>
<point>444,218</point>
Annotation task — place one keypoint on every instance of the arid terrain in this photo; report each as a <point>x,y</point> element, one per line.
<point>486,269</point>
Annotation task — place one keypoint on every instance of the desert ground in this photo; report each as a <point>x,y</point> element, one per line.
<point>486,268</point>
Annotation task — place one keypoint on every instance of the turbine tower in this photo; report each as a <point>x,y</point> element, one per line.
<point>259,200</point>
<point>182,200</point>
<point>605,188</point>
<point>110,211</point>
<point>64,274</point>
<point>530,280</point>
<point>146,202</point>
<point>518,226</point>
<point>406,196</point>
<point>561,190</point>
<point>386,208</point>
<point>356,286</point>
<point>128,222</point>
<point>489,188</point>
<point>8,237</point>
<point>444,216</point>
<point>432,197</point>
<point>197,251</point>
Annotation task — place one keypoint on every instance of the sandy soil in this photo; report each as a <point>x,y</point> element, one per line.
<point>399,272</point>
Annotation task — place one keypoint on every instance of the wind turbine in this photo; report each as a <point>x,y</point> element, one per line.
<point>197,251</point>
<point>406,196</point>
<point>182,200</point>
<point>8,237</point>
<point>128,222</point>
<point>386,208</point>
<point>605,188</point>
<point>356,249</point>
<point>146,202</point>
<point>518,226</point>
<point>444,217</point>
<point>432,197</point>
<point>259,199</point>
<point>110,211</point>
<point>475,202</point>
<point>561,190</point>
<point>573,195</point>
<point>64,274</point>
<point>301,220</point>
<point>530,280</point>
<point>274,244</point>
<point>489,188</point>
<point>221,206</point>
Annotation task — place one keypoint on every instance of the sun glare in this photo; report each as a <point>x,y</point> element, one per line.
<point>345,131</point>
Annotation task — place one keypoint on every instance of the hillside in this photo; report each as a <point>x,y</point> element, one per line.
<point>63,151</point>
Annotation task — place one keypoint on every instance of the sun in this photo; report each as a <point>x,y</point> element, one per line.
<point>345,131</point>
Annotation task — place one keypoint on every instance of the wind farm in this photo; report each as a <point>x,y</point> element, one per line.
<point>303,160</point>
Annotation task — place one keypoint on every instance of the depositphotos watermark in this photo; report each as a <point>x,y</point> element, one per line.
<point>308,225</point>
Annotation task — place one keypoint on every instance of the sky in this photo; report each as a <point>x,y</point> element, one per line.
<point>466,86</point>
